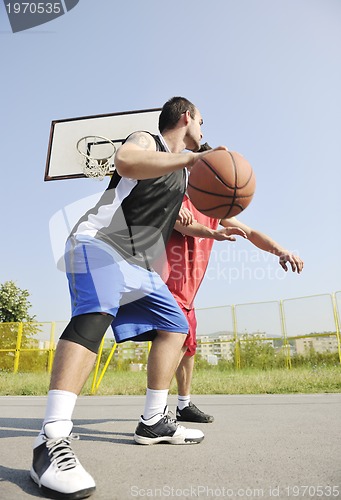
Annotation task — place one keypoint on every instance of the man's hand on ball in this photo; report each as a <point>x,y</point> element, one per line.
<point>185,217</point>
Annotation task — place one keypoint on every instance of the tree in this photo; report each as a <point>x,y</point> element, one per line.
<point>14,309</point>
<point>14,304</point>
<point>257,353</point>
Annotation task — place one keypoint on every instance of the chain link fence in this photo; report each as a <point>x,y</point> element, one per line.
<point>264,334</point>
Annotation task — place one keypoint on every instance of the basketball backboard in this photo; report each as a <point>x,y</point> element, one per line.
<point>63,159</point>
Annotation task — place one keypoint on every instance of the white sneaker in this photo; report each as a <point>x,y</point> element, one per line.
<point>55,467</point>
<point>163,429</point>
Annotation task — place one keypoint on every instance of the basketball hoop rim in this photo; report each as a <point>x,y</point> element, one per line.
<point>88,156</point>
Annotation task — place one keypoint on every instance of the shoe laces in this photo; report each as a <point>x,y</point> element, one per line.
<point>170,418</point>
<point>196,410</point>
<point>61,452</point>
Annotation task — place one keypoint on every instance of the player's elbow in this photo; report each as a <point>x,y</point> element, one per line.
<point>123,164</point>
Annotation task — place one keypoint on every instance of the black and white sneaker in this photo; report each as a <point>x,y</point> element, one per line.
<point>163,429</point>
<point>192,414</point>
<point>55,468</point>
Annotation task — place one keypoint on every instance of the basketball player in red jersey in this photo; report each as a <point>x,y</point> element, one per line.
<point>188,252</point>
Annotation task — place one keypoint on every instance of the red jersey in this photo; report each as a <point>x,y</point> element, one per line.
<point>187,259</point>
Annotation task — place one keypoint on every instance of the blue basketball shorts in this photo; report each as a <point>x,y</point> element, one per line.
<point>101,280</point>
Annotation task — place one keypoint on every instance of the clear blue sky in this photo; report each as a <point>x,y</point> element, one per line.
<point>266,76</point>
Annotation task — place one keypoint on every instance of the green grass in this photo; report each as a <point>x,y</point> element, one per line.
<point>205,381</point>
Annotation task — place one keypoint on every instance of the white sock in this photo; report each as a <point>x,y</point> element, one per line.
<point>59,407</point>
<point>183,401</point>
<point>155,402</point>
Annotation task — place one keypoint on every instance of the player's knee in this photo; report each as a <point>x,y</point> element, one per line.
<point>87,330</point>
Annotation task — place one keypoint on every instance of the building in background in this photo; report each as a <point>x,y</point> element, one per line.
<point>318,344</point>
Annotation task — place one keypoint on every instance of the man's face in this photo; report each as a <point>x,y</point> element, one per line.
<point>194,134</point>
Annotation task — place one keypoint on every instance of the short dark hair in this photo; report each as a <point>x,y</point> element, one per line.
<point>204,147</point>
<point>172,111</point>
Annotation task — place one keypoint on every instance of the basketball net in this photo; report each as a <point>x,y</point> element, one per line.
<point>96,166</point>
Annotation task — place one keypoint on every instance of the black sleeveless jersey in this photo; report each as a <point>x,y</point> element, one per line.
<point>136,217</point>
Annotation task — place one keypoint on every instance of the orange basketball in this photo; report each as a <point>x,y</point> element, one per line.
<point>221,184</point>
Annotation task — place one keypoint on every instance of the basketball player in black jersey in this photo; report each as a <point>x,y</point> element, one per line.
<point>111,281</point>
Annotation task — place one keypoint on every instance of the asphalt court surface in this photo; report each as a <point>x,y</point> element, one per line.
<point>263,446</point>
